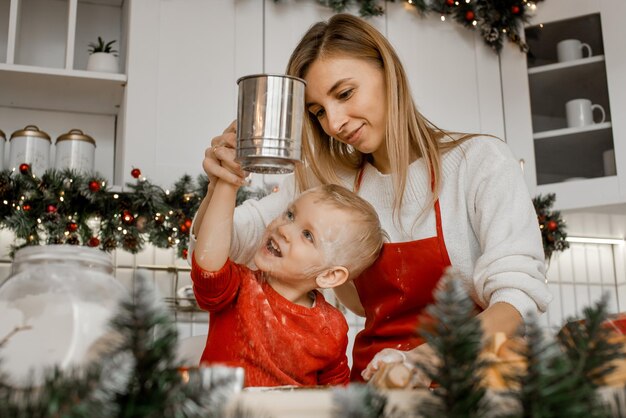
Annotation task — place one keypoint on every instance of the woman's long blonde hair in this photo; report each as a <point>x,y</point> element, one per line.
<point>408,134</point>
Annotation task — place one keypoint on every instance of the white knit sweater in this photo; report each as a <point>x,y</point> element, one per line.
<point>489,224</point>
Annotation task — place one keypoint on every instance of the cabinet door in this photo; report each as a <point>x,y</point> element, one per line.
<point>560,99</point>
<point>184,63</point>
<point>454,77</point>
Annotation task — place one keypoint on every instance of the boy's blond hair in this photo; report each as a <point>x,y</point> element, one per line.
<point>358,249</point>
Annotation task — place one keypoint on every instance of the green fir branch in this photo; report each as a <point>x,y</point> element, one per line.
<point>587,344</point>
<point>549,387</point>
<point>456,338</point>
<point>358,401</point>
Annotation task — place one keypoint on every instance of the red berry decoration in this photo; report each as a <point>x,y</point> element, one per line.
<point>72,226</point>
<point>94,186</point>
<point>469,15</point>
<point>187,223</point>
<point>127,217</point>
<point>135,173</point>
<point>450,2</point>
<point>26,207</point>
<point>93,242</point>
<point>51,209</point>
<point>24,168</point>
<point>184,228</point>
<point>185,253</point>
<point>515,9</point>
<point>552,226</point>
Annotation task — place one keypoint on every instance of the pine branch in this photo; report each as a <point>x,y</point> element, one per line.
<point>550,386</point>
<point>155,388</point>
<point>588,346</point>
<point>358,401</point>
<point>455,336</point>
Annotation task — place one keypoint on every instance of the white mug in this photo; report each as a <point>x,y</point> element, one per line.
<point>579,113</point>
<point>571,49</point>
<point>608,160</point>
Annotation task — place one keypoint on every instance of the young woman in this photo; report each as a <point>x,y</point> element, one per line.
<point>444,198</point>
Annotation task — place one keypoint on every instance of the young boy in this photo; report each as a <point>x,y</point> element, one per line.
<point>272,321</point>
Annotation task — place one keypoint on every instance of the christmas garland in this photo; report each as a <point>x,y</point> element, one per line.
<point>496,20</point>
<point>67,207</point>
<point>551,224</point>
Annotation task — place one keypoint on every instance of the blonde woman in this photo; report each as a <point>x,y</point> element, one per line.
<point>444,198</point>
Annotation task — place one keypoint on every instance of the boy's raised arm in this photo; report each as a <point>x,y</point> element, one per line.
<point>215,231</point>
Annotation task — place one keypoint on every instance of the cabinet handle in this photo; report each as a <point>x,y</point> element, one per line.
<point>521,164</point>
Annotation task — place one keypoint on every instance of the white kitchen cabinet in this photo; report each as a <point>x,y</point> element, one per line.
<point>584,166</point>
<point>184,58</point>
<point>43,81</point>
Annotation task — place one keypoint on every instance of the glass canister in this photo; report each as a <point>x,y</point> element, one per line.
<point>31,146</point>
<point>75,150</point>
<point>55,308</point>
<point>3,140</point>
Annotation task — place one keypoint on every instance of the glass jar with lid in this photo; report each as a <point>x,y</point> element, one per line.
<point>55,308</point>
<point>75,150</point>
<point>31,146</point>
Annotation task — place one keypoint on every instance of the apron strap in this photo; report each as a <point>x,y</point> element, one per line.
<point>442,246</point>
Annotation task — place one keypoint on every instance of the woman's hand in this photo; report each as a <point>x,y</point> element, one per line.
<point>408,359</point>
<point>219,159</point>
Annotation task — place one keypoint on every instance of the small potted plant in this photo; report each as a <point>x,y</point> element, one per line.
<point>103,57</point>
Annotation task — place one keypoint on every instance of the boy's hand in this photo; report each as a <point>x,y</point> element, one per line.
<point>386,364</point>
<point>219,159</point>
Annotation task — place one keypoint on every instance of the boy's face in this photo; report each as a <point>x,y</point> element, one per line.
<point>299,244</point>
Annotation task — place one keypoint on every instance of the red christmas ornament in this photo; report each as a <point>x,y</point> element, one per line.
<point>127,217</point>
<point>450,2</point>
<point>135,172</point>
<point>51,209</point>
<point>72,226</point>
<point>93,242</point>
<point>185,252</point>
<point>515,9</point>
<point>469,15</point>
<point>94,186</point>
<point>184,228</point>
<point>552,225</point>
<point>187,223</point>
<point>26,207</point>
<point>24,168</point>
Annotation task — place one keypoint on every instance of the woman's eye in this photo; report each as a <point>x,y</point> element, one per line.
<point>307,235</point>
<point>346,94</point>
<point>319,113</point>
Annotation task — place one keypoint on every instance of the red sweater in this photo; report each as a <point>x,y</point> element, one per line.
<point>276,341</point>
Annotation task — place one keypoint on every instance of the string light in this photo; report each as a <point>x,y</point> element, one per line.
<point>474,23</point>
<point>443,18</point>
<point>116,196</point>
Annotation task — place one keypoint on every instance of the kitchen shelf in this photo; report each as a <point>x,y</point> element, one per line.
<point>588,131</point>
<point>57,89</point>
<point>575,65</point>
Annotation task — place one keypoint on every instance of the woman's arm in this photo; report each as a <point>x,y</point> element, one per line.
<point>349,297</point>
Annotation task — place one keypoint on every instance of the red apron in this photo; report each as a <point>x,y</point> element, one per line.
<point>394,291</point>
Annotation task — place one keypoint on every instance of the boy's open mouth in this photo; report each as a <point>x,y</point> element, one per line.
<point>273,248</point>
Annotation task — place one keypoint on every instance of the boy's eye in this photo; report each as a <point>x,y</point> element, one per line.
<point>307,235</point>
<point>289,215</point>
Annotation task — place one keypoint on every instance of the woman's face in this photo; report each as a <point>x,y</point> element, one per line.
<point>347,96</point>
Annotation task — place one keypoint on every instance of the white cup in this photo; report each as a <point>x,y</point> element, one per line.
<point>579,113</point>
<point>608,160</point>
<point>572,49</point>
